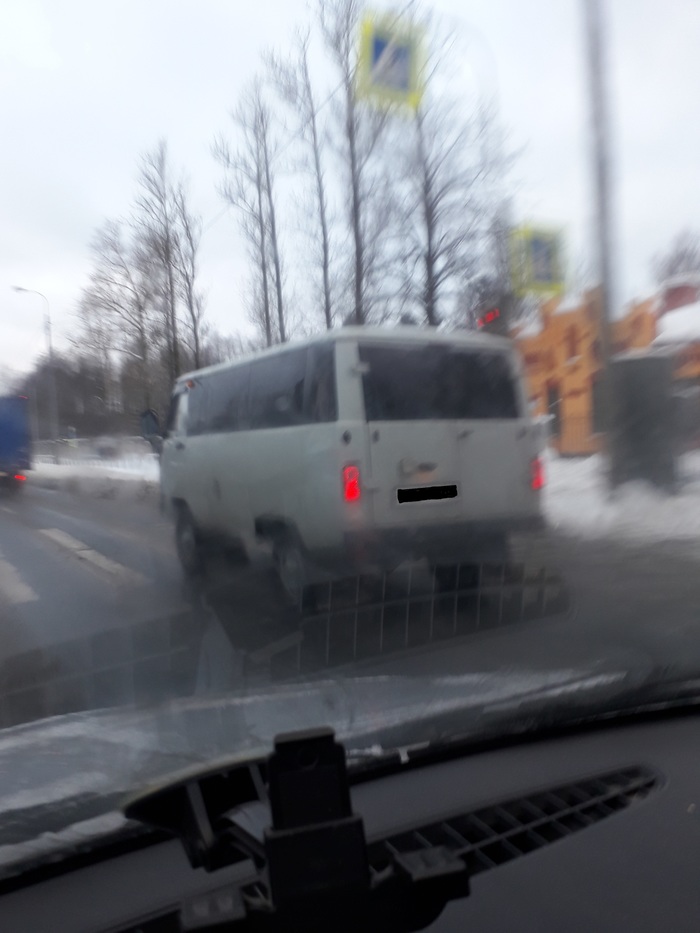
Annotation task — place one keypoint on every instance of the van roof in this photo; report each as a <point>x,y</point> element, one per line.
<point>406,333</point>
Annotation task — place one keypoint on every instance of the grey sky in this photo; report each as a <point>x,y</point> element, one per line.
<point>86,86</point>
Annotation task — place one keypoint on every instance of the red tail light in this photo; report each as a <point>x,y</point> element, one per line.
<point>19,477</point>
<point>537,473</point>
<point>351,483</point>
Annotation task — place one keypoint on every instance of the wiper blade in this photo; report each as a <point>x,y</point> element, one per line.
<point>593,701</point>
<point>400,754</point>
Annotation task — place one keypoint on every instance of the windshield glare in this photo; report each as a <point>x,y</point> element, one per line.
<point>336,396</point>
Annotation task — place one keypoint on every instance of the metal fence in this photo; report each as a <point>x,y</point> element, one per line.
<point>146,662</point>
<point>366,618</point>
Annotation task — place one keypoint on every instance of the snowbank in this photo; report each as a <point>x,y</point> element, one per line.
<point>571,302</point>
<point>136,479</point>
<point>679,326</point>
<point>577,500</point>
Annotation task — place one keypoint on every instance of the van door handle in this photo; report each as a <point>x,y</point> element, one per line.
<point>179,446</point>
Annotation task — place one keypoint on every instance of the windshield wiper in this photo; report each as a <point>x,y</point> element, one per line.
<point>291,817</point>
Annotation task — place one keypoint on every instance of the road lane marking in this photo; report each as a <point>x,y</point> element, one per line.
<point>88,554</point>
<point>6,508</point>
<point>164,547</point>
<point>13,587</point>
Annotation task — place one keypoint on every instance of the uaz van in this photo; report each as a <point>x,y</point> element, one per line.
<point>355,450</point>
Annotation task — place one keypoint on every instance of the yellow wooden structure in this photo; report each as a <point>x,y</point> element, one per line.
<point>562,355</point>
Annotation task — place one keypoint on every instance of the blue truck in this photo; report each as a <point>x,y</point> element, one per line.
<point>15,440</point>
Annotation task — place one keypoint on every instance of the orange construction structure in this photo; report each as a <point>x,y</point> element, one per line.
<point>562,357</point>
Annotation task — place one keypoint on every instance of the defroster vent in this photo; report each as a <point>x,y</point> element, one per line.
<point>496,834</point>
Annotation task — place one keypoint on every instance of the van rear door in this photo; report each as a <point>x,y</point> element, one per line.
<point>448,439</point>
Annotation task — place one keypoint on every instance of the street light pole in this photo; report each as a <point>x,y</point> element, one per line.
<point>603,228</point>
<point>53,400</point>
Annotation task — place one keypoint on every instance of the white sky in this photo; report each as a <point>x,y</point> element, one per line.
<point>86,86</point>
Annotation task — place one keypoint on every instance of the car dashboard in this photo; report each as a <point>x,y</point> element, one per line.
<point>596,829</point>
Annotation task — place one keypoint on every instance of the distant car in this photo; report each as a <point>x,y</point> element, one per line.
<point>15,440</point>
<point>355,450</point>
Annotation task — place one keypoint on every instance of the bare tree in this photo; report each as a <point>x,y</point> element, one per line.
<point>449,205</point>
<point>155,225</point>
<point>359,131</point>
<point>249,186</point>
<point>144,272</point>
<point>189,233</point>
<point>683,256</point>
<point>293,81</point>
<point>267,156</point>
<point>116,307</point>
<point>219,348</point>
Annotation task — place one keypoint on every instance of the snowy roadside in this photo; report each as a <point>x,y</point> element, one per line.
<point>137,478</point>
<point>576,500</point>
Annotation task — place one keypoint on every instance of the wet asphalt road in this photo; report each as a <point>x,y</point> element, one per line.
<point>91,588</point>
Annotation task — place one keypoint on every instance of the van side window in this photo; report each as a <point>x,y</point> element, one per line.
<point>227,400</point>
<point>171,416</point>
<point>176,423</point>
<point>322,404</point>
<point>197,407</point>
<point>277,390</point>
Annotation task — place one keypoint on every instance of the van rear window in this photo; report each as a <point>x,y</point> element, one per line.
<point>437,382</point>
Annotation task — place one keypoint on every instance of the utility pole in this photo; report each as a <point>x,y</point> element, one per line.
<point>53,399</point>
<point>603,228</point>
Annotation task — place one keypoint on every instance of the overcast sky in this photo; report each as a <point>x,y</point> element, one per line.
<point>88,85</point>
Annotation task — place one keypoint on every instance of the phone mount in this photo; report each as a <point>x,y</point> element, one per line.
<point>311,864</point>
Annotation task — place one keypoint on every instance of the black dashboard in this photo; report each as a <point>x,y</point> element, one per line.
<point>596,830</point>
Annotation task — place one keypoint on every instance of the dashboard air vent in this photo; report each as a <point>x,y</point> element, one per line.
<point>496,834</point>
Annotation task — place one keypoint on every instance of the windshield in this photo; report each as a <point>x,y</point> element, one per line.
<point>349,376</point>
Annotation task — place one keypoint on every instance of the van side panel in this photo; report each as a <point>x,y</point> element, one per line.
<point>300,478</point>
<point>328,450</point>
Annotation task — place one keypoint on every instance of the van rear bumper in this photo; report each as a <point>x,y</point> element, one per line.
<point>445,543</point>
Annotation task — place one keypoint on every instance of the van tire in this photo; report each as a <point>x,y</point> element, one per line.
<point>188,543</point>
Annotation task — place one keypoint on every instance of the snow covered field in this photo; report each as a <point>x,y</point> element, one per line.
<point>576,499</point>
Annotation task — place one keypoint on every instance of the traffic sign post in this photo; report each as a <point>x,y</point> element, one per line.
<point>390,66</point>
<point>536,261</point>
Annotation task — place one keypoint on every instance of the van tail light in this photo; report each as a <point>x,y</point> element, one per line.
<point>20,478</point>
<point>351,484</point>
<point>537,473</point>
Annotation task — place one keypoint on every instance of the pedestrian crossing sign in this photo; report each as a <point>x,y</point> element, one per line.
<point>536,261</point>
<point>390,69</point>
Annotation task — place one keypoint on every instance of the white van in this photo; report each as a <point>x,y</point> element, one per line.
<point>355,450</point>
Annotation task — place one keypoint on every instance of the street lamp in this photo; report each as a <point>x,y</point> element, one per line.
<point>53,401</point>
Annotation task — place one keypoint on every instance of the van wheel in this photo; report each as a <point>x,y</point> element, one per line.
<point>187,543</point>
<point>291,569</point>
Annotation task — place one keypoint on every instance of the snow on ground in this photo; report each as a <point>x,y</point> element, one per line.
<point>146,468</point>
<point>576,497</point>
<point>679,326</point>
<point>131,478</point>
<point>571,302</point>
<point>577,500</point>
